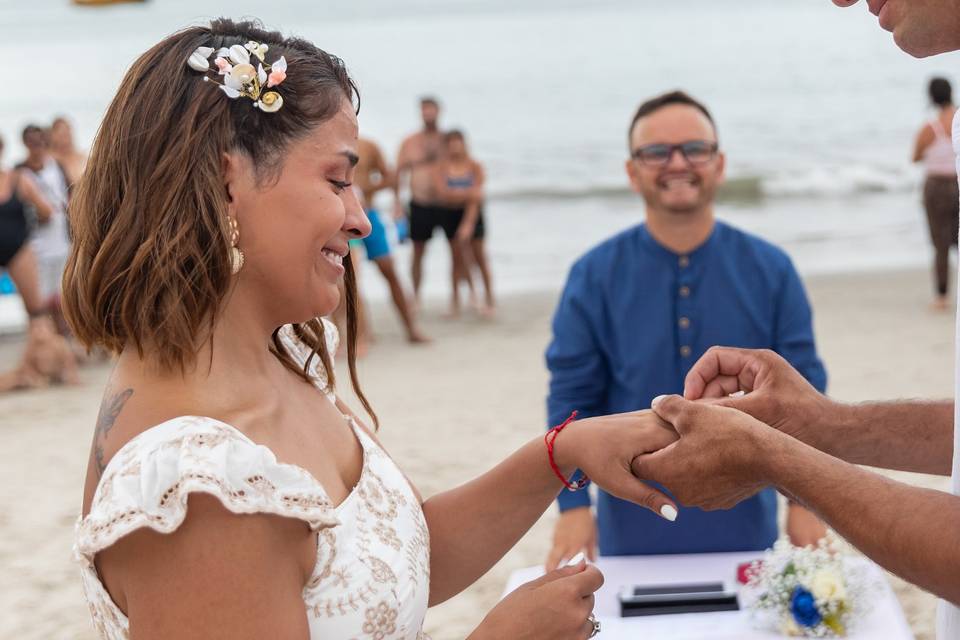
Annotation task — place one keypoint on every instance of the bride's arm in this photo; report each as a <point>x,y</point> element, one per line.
<point>219,574</point>
<point>475,524</point>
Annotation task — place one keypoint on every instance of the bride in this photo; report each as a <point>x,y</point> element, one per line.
<point>229,492</point>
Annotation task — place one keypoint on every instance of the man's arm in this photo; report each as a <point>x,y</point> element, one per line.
<point>724,455</point>
<point>908,435</point>
<point>908,530</point>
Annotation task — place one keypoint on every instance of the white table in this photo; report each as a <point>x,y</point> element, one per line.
<point>884,622</point>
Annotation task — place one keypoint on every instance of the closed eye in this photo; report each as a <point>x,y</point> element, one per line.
<point>340,186</point>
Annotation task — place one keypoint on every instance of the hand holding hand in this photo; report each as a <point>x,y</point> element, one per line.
<point>605,446</point>
<point>555,606</point>
<point>774,392</point>
<point>720,459</point>
<point>574,532</point>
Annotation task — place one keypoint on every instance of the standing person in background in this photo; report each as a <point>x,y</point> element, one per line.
<point>459,184</point>
<point>16,255</point>
<point>941,197</point>
<point>373,175</point>
<point>47,356</point>
<point>50,240</point>
<point>65,152</point>
<point>639,309</point>
<point>416,162</point>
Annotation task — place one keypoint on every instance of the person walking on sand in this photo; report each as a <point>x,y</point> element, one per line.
<point>941,197</point>
<point>373,175</point>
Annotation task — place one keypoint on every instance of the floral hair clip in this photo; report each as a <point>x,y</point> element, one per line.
<point>240,78</point>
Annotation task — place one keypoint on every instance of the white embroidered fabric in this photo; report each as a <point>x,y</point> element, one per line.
<point>372,573</point>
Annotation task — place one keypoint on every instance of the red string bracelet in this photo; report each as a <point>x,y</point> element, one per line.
<point>549,439</point>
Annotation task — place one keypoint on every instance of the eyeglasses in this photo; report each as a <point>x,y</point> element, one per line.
<point>658,155</point>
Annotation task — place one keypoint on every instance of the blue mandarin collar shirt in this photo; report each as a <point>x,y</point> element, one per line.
<point>632,320</point>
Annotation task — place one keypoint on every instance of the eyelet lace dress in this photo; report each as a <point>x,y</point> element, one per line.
<point>372,574</point>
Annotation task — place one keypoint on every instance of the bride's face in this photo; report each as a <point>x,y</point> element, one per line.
<point>294,227</point>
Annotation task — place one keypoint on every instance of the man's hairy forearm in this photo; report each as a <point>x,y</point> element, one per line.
<point>907,530</point>
<point>908,435</point>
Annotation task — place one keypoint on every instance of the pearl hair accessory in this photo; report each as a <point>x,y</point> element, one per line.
<point>240,78</point>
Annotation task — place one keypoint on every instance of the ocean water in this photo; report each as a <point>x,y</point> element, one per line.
<point>816,107</point>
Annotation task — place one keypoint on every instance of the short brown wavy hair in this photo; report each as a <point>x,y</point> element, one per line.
<point>150,264</point>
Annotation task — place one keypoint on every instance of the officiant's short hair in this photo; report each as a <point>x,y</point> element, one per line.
<point>664,100</point>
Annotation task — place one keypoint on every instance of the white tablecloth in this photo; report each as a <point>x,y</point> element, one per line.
<point>884,622</point>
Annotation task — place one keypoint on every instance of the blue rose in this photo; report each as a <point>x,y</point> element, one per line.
<point>803,606</point>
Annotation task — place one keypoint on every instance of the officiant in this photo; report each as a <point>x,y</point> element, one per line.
<point>639,309</point>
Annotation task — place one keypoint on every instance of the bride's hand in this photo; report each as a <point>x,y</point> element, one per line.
<point>555,607</point>
<point>604,448</point>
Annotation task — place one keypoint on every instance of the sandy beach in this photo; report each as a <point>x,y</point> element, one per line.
<point>448,411</point>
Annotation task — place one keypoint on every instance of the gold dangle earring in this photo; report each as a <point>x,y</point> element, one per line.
<point>236,256</point>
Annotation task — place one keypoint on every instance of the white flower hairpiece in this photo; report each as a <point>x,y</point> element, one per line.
<point>240,78</point>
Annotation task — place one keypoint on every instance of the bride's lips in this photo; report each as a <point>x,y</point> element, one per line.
<point>334,256</point>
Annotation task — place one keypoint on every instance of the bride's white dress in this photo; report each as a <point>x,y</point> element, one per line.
<point>371,579</point>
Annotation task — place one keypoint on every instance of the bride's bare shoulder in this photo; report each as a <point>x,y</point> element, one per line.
<point>130,405</point>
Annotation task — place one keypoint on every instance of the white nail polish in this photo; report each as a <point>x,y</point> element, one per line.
<point>669,512</point>
<point>656,401</point>
<point>575,560</point>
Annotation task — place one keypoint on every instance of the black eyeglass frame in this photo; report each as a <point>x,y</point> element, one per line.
<point>686,149</point>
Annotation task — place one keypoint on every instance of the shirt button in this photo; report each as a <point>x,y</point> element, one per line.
<point>684,323</point>
<point>684,262</point>
<point>685,351</point>
<point>684,292</point>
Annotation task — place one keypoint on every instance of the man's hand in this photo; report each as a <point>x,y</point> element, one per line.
<point>720,459</point>
<point>803,527</point>
<point>575,531</point>
<point>774,392</point>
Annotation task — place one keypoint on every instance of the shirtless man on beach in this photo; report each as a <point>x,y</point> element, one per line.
<point>783,433</point>
<point>371,176</point>
<point>418,158</point>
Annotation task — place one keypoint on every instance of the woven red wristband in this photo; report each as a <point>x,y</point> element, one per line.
<point>549,439</point>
